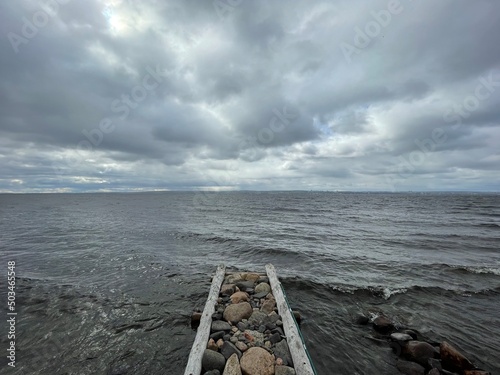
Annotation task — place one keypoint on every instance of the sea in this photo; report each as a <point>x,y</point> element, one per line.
<point>106,282</point>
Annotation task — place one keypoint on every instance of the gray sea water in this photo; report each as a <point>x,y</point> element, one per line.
<point>106,283</point>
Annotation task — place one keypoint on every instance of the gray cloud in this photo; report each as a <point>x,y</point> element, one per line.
<point>118,94</point>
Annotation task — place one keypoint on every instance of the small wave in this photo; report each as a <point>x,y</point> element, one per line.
<point>476,270</point>
<point>378,291</point>
<point>488,225</point>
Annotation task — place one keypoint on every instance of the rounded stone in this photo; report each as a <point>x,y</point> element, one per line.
<point>236,312</point>
<point>212,360</point>
<point>257,361</point>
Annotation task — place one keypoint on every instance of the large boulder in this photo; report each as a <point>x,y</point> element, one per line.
<point>232,366</point>
<point>236,312</point>
<point>452,359</point>
<point>419,351</point>
<point>383,324</point>
<point>213,361</point>
<point>257,361</point>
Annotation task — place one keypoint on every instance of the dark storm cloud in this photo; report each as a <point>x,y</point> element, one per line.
<point>111,94</point>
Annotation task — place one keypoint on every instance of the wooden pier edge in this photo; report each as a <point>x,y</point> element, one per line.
<point>300,359</point>
<point>193,366</point>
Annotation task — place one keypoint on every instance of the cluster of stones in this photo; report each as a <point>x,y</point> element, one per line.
<point>417,355</point>
<point>247,335</point>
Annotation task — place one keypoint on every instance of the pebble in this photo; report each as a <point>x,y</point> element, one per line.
<point>212,345</point>
<point>382,324</point>
<point>242,347</point>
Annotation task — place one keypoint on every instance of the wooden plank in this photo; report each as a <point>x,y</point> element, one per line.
<point>193,366</point>
<point>300,359</point>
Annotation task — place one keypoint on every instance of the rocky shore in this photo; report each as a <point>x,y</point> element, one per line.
<point>246,336</point>
<point>417,355</point>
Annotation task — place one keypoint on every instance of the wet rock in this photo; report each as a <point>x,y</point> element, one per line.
<point>410,368</point>
<point>452,359</point>
<point>383,324</point>
<point>361,319</point>
<point>400,337</point>
<point>419,351</point>
<point>212,360</point>
<point>411,332</point>
<point>239,297</point>
<point>435,363</point>
<point>195,319</point>
<point>257,361</point>
<point>219,325</point>
<point>232,366</point>
<point>284,370</point>
<point>236,312</point>
<point>282,351</point>
<point>297,316</point>
<point>228,349</point>
<point>262,287</point>
<point>434,371</point>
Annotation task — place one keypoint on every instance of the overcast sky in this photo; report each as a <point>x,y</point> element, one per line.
<point>117,95</point>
